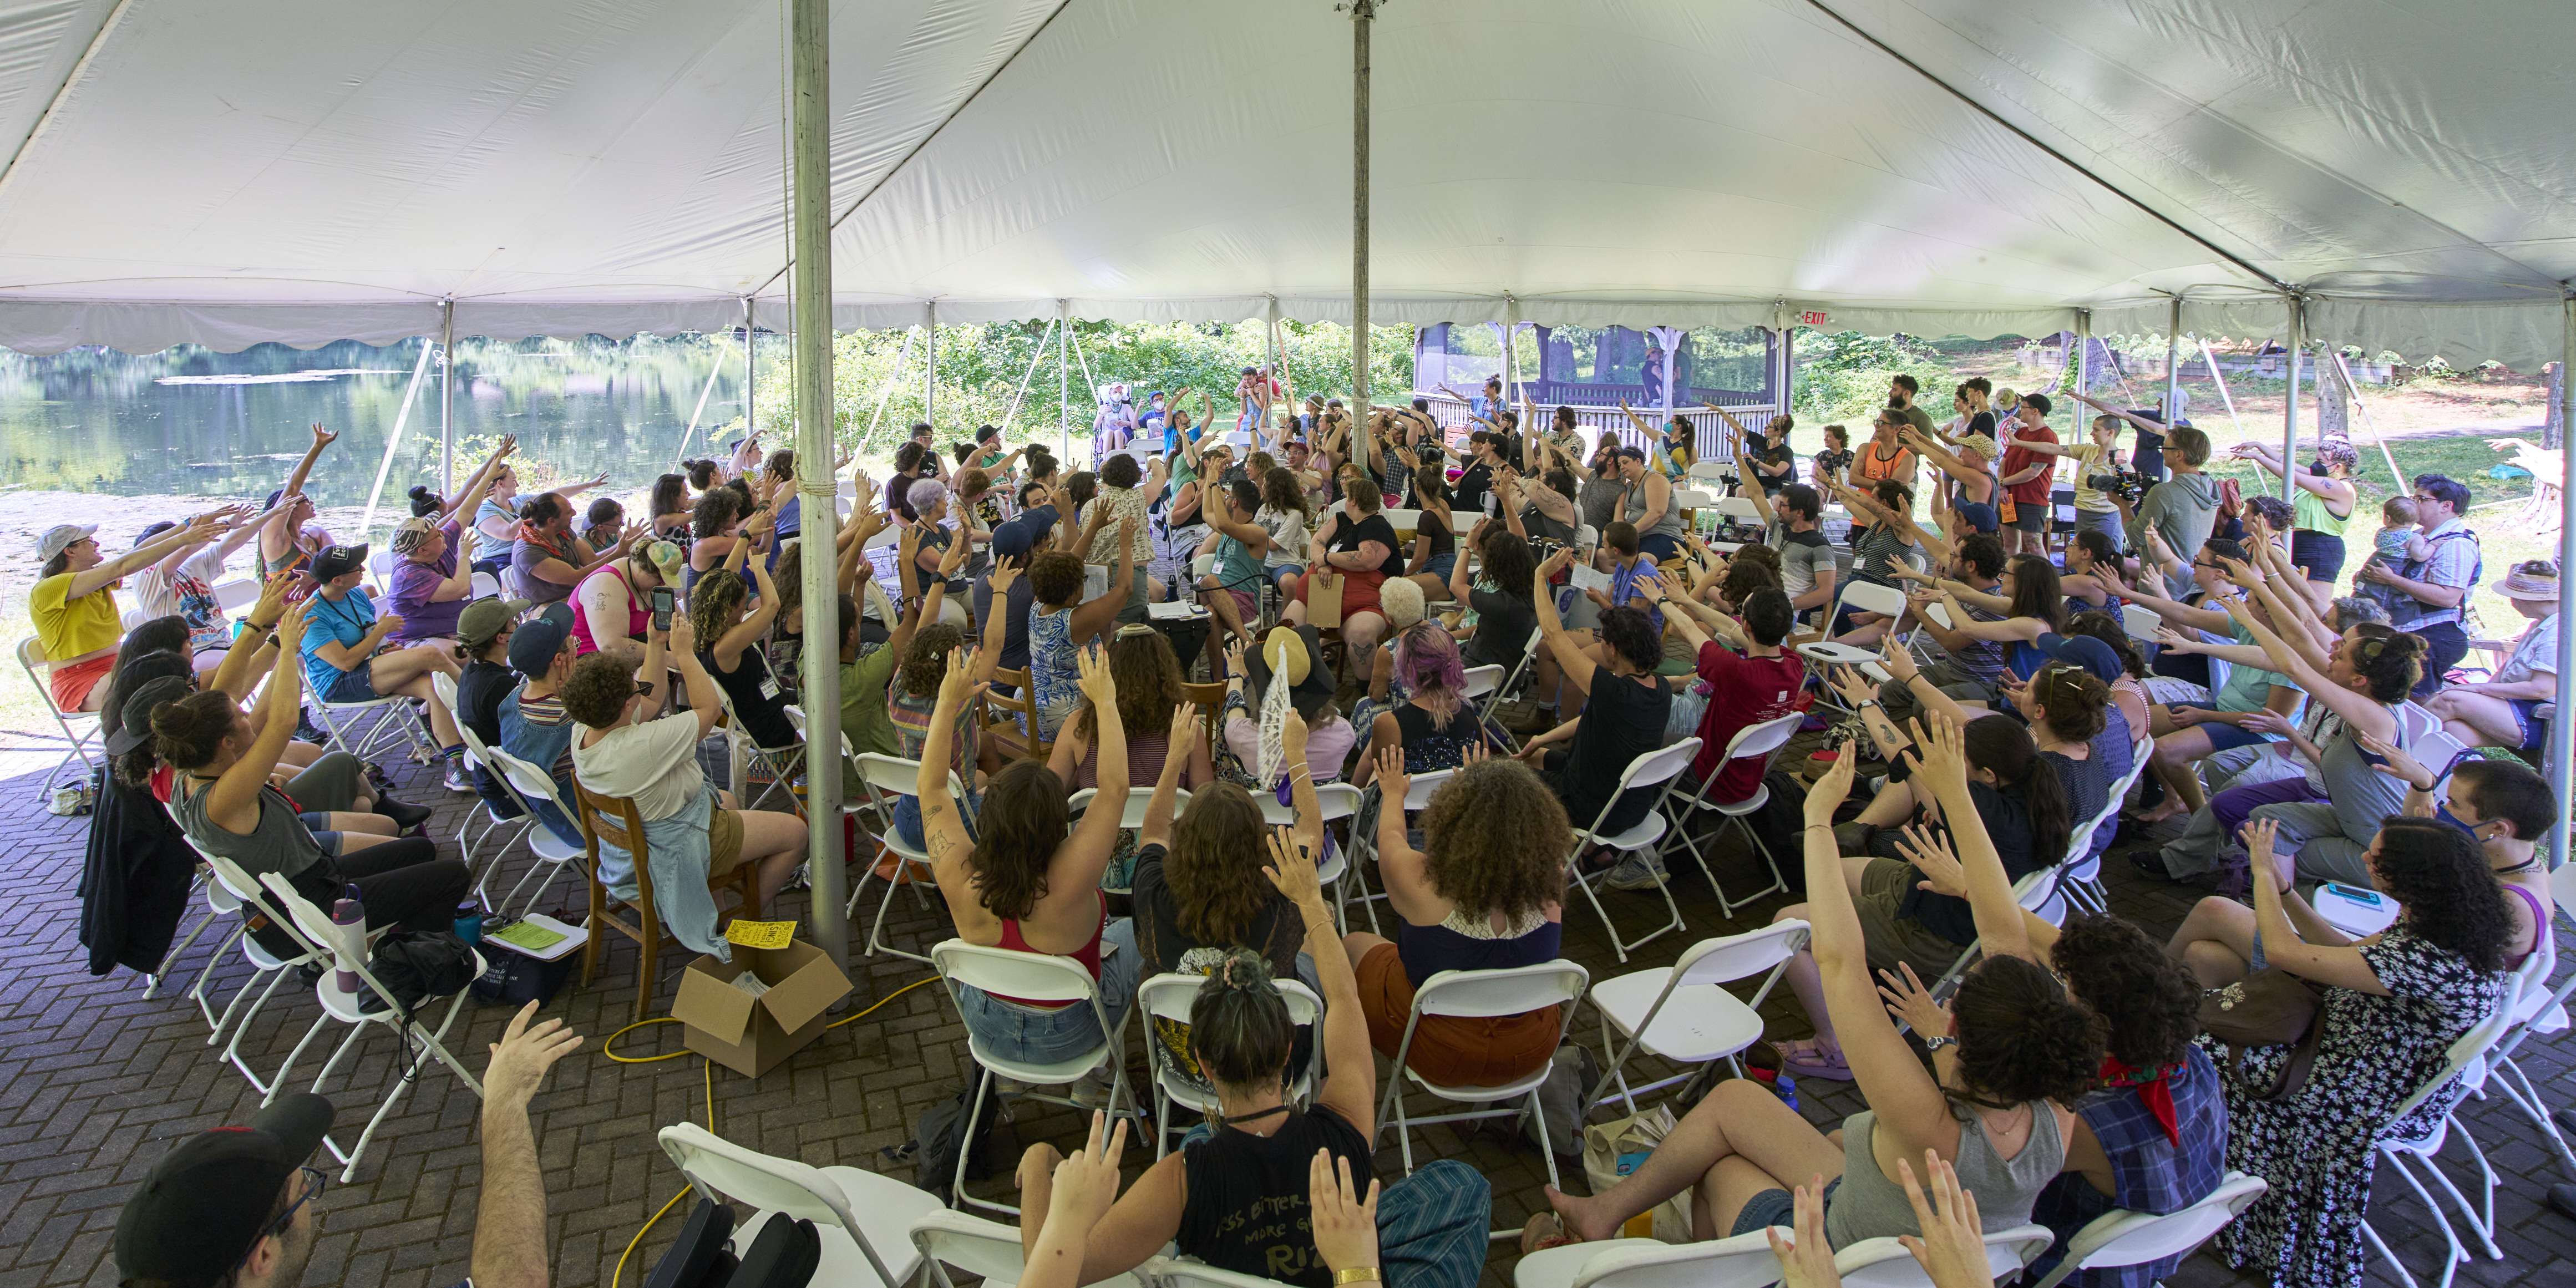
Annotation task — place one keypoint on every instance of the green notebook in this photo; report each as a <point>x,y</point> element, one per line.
<point>529,936</point>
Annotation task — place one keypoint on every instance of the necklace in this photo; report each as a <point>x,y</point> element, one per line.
<point>2525,866</point>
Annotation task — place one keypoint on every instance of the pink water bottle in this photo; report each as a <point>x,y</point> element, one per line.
<point>349,927</point>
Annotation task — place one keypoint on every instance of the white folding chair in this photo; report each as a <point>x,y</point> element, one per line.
<point>1744,1261</point>
<point>1333,801</point>
<point>485,585</point>
<point>344,1006</point>
<point>1417,795</point>
<point>555,856</point>
<point>779,1189</point>
<point>1520,672</point>
<point>1167,997</point>
<point>369,727</point>
<point>2467,1061</point>
<point>153,980</point>
<point>242,892</point>
<point>31,658</point>
<point>1867,597</point>
<point>1184,1272</point>
<point>980,1247</point>
<point>888,779</point>
<point>1033,977</point>
<point>2082,883</point>
<point>2544,1013</point>
<point>237,594</point>
<point>2140,622</point>
<point>2124,1238</point>
<point>1131,816</point>
<point>1764,741</point>
<point>781,763</point>
<point>220,903</point>
<point>1658,772</point>
<point>2036,892</point>
<point>1683,1013</point>
<point>1884,1263</point>
<point>491,820</point>
<point>1483,994</point>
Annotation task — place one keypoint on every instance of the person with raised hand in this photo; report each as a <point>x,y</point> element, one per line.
<point>510,1207</point>
<point>73,603</point>
<point>1070,1195</point>
<point>2016,1049</point>
<point>1024,878</point>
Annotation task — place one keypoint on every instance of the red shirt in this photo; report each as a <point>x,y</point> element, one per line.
<point>2033,490</point>
<point>1748,691</point>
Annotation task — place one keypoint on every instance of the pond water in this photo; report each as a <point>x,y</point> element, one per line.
<point>191,422</point>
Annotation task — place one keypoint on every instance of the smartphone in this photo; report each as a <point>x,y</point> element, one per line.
<point>2367,898</point>
<point>662,602</point>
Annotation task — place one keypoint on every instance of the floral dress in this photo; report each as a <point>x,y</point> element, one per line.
<point>2316,1146</point>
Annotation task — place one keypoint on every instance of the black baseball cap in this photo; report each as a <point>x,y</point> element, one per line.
<point>338,561</point>
<point>207,1202</point>
<point>134,722</point>
<point>534,644</point>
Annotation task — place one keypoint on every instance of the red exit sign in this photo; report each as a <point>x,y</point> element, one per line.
<point>1814,317</point>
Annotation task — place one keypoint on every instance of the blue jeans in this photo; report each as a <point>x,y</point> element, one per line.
<point>907,817</point>
<point>1027,1035</point>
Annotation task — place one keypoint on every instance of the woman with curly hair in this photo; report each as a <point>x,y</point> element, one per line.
<point>1485,892</point>
<point>1434,726</point>
<point>1285,514</point>
<point>1498,597</point>
<point>2010,1054</point>
<point>1149,691</point>
<point>2392,1005</point>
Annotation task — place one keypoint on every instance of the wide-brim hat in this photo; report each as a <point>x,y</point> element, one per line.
<point>1299,658</point>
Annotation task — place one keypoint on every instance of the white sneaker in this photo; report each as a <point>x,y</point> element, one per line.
<point>1091,1091</point>
<point>1637,872</point>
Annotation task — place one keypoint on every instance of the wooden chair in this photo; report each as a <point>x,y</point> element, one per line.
<point>612,819</point>
<point>1211,700</point>
<point>1025,706</point>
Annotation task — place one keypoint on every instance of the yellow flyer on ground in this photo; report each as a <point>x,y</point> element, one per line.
<point>760,934</point>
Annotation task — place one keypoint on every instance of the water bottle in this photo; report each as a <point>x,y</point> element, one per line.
<point>469,921</point>
<point>349,931</point>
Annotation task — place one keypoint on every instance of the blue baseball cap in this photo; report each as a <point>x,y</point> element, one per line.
<point>2085,651</point>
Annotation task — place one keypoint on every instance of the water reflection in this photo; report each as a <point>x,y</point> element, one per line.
<point>192,422</point>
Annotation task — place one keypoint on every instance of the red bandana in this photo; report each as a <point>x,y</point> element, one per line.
<point>2152,1088</point>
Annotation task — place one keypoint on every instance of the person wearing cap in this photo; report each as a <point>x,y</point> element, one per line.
<point>1016,544</point>
<point>434,558</point>
<point>2502,711</point>
<point>550,560</point>
<point>1289,664</point>
<point>182,584</point>
<point>483,631</point>
<point>612,606</point>
<point>73,603</point>
<point>241,1207</point>
<point>534,725</point>
<point>342,662</point>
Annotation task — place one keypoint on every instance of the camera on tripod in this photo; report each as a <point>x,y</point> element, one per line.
<point>2126,485</point>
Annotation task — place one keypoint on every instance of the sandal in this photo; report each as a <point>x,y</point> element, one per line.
<point>1807,1058</point>
<point>1546,1230</point>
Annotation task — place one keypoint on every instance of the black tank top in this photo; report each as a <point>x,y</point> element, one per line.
<point>759,701</point>
<point>1246,1210</point>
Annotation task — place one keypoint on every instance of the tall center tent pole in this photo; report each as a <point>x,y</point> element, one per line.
<point>2560,757</point>
<point>930,368</point>
<point>2290,405</point>
<point>817,486</point>
<point>1363,16</point>
<point>447,397</point>
<point>1064,377</point>
<point>750,385</point>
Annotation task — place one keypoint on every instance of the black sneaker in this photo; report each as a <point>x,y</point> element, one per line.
<point>305,732</point>
<point>2151,863</point>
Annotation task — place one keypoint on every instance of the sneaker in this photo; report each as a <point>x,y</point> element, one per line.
<point>305,732</point>
<point>1637,872</point>
<point>456,776</point>
<point>1091,1091</point>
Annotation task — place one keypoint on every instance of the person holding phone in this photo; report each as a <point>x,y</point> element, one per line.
<point>610,606</point>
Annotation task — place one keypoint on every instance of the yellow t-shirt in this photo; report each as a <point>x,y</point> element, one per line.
<point>69,628</point>
<point>2088,461</point>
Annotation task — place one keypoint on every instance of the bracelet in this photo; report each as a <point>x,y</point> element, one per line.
<point>1937,1041</point>
<point>1355,1275</point>
<point>1826,826</point>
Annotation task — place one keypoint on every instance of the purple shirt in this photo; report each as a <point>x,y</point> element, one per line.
<point>414,583</point>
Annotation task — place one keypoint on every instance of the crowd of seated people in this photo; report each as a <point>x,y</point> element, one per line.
<point>1353,586</point>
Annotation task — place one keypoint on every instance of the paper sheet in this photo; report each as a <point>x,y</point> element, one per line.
<point>760,934</point>
<point>1590,579</point>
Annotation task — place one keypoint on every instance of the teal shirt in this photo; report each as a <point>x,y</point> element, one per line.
<point>2248,686</point>
<point>1237,568</point>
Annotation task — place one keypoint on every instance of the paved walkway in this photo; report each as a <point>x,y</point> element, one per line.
<point>95,1082</point>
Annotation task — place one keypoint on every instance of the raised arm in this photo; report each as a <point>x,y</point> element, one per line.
<point>1078,862</point>
<point>1942,765</point>
<point>1099,614</point>
<point>322,438</point>
<point>2141,422</point>
<point>2337,965</point>
<point>1576,664</point>
<point>1350,1074</point>
<point>196,531</point>
<point>2359,711</point>
<point>234,802</point>
<point>1891,1079</point>
<point>1158,807</point>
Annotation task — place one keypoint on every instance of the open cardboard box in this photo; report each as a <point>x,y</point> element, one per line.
<point>751,1035</point>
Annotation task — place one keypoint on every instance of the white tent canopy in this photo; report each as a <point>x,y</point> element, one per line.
<point>299,171</point>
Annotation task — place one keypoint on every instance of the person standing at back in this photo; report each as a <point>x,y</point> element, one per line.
<point>2430,593</point>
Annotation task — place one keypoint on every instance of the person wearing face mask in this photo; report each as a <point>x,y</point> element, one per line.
<point>2321,502</point>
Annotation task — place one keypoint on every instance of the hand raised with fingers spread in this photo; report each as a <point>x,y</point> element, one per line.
<point>1913,1004</point>
<point>2399,764</point>
<point>522,1056</point>
<point>1291,869</point>
<point>1930,852</point>
<point>958,686</point>
<point>1091,666</point>
<point>1808,1262</point>
<point>1853,687</point>
<point>1392,781</point>
<point>1828,793</point>
<point>2261,836</point>
<point>1952,1247</point>
<point>1940,753</point>
<point>1345,1221</point>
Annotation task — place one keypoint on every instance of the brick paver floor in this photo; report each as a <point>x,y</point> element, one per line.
<point>96,1081</point>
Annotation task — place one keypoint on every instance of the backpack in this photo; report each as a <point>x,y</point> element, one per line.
<point>783,1255</point>
<point>416,966</point>
<point>698,1259</point>
<point>939,1135</point>
<point>1781,826</point>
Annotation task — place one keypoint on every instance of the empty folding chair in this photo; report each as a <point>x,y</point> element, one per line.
<point>1656,772</point>
<point>347,1006</point>
<point>2124,1238</point>
<point>1867,597</point>
<point>857,1251</point>
<point>1683,1013</point>
<point>1034,977</point>
<point>243,892</point>
<point>1167,997</point>
<point>1744,1261</point>
<point>887,779</point>
<point>1752,742</point>
<point>1483,994</point>
<point>1884,1263</point>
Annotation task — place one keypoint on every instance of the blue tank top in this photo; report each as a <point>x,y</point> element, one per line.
<point>2023,659</point>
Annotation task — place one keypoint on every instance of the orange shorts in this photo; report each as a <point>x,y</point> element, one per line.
<point>72,684</point>
<point>1453,1051</point>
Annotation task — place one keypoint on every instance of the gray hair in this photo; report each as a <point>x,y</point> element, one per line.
<point>2353,610</point>
<point>925,492</point>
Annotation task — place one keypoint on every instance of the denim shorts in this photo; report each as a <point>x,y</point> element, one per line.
<point>1020,1034</point>
<point>907,817</point>
<point>1440,565</point>
<point>1776,1207</point>
<point>353,686</point>
<point>2225,737</point>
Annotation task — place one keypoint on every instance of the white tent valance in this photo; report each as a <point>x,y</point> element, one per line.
<point>301,172</point>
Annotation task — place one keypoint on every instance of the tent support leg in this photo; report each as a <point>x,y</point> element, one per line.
<point>447,397</point>
<point>1063,376</point>
<point>1363,16</point>
<point>886,394</point>
<point>930,367</point>
<point>2219,378</point>
<point>750,384</point>
<point>394,439</point>
<point>2173,361</point>
<point>2352,387</point>
<point>705,392</point>
<point>2558,760</point>
<point>2290,404</point>
<point>817,485</point>
<point>1027,376</point>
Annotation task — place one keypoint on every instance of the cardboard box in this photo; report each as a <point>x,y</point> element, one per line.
<point>751,1035</point>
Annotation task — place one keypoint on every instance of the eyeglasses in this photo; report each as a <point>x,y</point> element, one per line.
<point>643,688</point>
<point>315,1181</point>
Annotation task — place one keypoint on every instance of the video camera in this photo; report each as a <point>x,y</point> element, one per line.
<point>2126,485</point>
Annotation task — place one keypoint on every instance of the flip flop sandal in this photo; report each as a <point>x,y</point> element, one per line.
<point>1804,1058</point>
<point>1546,1230</point>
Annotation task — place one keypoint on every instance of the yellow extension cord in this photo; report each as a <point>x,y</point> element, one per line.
<point>631,1244</point>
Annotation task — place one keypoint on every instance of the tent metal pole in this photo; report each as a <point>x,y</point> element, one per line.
<point>817,487</point>
<point>2219,378</point>
<point>2082,382</point>
<point>1512,353</point>
<point>750,374</point>
<point>1026,377</point>
<point>885,393</point>
<point>1063,376</point>
<point>930,368</point>
<point>1363,16</point>
<point>2173,360</point>
<point>2290,404</point>
<point>2560,759</point>
<point>447,397</point>
<point>1088,381</point>
<point>2352,390</point>
<point>394,439</point>
<point>705,392</point>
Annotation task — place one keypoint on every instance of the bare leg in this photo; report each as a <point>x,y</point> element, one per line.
<point>2476,719</point>
<point>2216,941</point>
<point>1360,635</point>
<point>1358,943</point>
<point>1741,1121</point>
<point>301,754</point>
<point>774,843</point>
<point>2175,752</point>
<point>348,823</point>
<point>1808,983</point>
<point>416,685</point>
<point>1893,805</point>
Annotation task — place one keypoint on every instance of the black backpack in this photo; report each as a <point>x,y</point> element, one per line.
<point>940,1133</point>
<point>1781,825</point>
<point>783,1255</point>
<point>416,966</point>
<point>699,1258</point>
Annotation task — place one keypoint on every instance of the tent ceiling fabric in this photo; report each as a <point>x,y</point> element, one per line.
<point>299,171</point>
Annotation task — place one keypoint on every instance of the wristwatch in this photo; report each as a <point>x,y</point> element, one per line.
<point>1935,1043</point>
